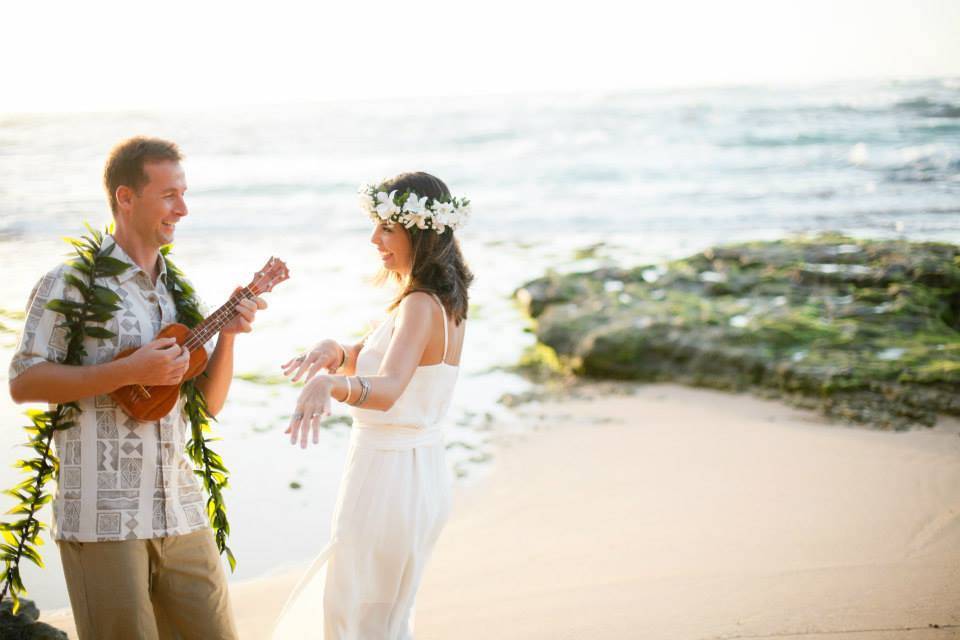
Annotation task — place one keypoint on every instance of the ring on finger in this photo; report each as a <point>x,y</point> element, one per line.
<point>297,416</point>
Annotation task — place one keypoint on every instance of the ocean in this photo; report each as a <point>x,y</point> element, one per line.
<point>558,181</point>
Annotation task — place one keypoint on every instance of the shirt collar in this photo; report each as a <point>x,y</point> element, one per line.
<point>134,269</point>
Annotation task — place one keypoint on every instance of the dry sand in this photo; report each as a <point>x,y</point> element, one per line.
<point>677,513</point>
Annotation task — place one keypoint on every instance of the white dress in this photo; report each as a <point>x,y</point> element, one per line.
<point>394,499</point>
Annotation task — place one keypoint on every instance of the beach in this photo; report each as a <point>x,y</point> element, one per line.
<point>662,511</point>
<point>675,516</point>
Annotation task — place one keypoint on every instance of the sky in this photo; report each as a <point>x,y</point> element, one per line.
<point>108,54</point>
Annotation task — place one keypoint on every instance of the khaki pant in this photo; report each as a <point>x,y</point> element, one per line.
<point>170,588</point>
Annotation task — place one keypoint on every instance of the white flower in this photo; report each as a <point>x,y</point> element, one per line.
<point>418,219</point>
<point>386,207</point>
<point>414,211</point>
<point>442,212</point>
<point>415,205</point>
<point>367,203</point>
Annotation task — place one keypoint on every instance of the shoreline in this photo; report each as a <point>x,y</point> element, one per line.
<point>688,513</point>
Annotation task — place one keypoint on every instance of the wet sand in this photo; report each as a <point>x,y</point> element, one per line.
<point>681,513</point>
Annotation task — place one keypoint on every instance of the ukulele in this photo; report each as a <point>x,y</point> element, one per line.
<point>155,401</point>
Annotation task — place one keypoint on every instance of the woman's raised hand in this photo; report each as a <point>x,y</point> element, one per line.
<point>326,355</point>
<point>312,405</point>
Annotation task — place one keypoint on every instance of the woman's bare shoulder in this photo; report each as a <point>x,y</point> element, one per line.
<point>419,304</point>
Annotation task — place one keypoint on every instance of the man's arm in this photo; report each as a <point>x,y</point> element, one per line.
<point>53,383</point>
<point>37,376</point>
<point>215,385</point>
<point>156,363</point>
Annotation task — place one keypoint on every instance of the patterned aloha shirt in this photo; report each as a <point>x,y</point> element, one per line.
<point>120,479</point>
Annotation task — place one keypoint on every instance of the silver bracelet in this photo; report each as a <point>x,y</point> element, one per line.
<point>364,390</point>
<point>349,390</point>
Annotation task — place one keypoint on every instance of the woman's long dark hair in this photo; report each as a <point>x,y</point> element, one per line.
<point>438,264</point>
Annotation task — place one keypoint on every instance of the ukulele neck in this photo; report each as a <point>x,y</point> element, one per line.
<point>212,324</point>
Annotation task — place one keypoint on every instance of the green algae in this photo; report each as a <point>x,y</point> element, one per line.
<point>16,316</point>
<point>262,378</point>
<point>865,330</point>
<point>541,362</point>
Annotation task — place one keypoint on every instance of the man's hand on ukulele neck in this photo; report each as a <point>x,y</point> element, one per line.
<point>246,313</point>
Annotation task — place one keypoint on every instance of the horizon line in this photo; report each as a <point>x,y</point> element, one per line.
<point>668,88</point>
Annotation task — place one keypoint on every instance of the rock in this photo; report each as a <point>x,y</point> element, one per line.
<point>25,625</point>
<point>27,613</point>
<point>43,631</point>
<point>867,331</point>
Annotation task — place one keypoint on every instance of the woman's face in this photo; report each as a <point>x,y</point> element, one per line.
<point>393,243</point>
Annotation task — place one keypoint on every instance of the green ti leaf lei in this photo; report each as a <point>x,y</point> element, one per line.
<point>209,464</point>
<point>21,537</point>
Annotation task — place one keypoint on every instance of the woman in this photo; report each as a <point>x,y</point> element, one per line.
<point>395,494</point>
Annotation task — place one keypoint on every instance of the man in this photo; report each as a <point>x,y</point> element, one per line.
<point>130,518</point>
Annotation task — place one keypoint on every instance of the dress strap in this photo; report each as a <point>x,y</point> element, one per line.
<point>443,312</point>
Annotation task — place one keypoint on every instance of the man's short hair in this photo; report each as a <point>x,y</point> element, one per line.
<point>125,165</point>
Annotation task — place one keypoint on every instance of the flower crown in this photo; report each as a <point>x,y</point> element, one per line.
<point>411,210</point>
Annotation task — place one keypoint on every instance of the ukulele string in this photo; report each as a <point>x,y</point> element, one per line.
<point>216,321</point>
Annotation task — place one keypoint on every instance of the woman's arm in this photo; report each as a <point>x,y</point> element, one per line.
<point>412,331</point>
<point>350,354</point>
<point>328,354</point>
<point>411,335</point>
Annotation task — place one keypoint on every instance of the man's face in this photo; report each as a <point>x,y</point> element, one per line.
<point>155,211</point>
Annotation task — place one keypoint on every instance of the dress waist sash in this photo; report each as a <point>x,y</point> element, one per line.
<point>393,437</point>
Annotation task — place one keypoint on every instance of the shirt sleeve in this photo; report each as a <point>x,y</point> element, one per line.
<point>43,340</point>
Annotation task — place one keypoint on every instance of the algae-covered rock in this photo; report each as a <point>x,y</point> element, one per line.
<point>868,331</point>
<point>24,625</point>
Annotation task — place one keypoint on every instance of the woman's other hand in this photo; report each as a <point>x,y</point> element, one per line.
<point>326,355</point>
<point>312,405</point>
